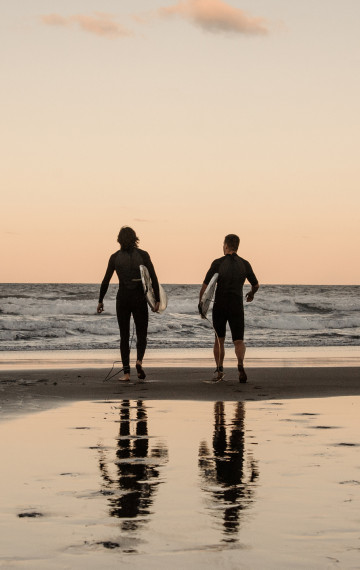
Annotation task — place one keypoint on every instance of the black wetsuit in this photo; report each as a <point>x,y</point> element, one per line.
<point>130,299</point>
<point>228,304</point>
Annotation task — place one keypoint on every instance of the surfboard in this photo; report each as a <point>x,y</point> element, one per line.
<point>208,294</point>
<point>149,291</point>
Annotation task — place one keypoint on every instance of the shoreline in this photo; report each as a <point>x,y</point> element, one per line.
<point>28,391</point>
<point>256,357</point>
<point>32,381</point>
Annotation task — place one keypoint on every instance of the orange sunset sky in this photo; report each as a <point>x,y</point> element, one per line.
<point>186,120</point>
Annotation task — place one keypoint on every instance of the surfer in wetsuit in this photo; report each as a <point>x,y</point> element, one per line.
<point>228,304</point>
<point>130,299</point>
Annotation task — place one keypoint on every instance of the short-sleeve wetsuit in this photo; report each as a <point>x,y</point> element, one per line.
<point>130,298</point>
<point>228,304</point>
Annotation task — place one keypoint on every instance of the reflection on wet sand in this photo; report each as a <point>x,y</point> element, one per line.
<point>131,489</point>
<point>59,511</point>
<point>228,473</point>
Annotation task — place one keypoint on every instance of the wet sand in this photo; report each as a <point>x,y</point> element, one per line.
<point>187,484</point>
<point>180,470</point>
<point>256,357</point>
<point>30,390</point>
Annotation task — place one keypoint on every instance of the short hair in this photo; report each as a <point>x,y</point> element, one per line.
<point>127,238</point>
<point>232,241</point>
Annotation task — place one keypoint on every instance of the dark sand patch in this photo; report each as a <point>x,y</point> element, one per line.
<point>33,390</point>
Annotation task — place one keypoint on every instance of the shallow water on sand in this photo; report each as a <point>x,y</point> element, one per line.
<point>255,357</point>
<point>150,484</point>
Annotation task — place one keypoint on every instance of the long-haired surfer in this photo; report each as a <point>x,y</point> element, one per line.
<point>228,305</point>
<point>130,299</point>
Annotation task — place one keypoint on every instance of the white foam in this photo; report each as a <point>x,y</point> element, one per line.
<point>34,317</point>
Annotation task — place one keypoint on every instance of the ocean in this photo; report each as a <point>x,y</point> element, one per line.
<point>38,317</point>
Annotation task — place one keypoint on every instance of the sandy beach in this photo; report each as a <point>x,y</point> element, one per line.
<point>177,469</point>
<point>31,389</point>
<point>179,472</point>
<point>202,154</point>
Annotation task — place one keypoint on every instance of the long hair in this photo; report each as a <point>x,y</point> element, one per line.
<point>127,238</point>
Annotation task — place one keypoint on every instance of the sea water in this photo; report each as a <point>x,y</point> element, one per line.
<point>181,484</point>
<point>63,317</point>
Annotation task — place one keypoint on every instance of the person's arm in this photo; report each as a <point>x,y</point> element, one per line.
<point>251,293</point>
<point>213,269</point>
<point>154,282</point>
<point>251,277</point>
<point>202,291</point>
<point>105,284</point>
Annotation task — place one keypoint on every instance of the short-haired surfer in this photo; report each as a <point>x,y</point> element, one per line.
<point>130,299</point>
<point>228,306</point>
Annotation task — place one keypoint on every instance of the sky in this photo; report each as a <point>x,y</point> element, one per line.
<point>186,120</point>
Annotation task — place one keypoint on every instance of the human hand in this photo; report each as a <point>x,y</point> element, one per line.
<point>157,307</point>
<point>249,296</point>
<point>100,308</point>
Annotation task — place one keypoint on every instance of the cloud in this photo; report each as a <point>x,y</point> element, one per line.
<point>54,20</point>
<point>100,24</point>
<point>216,16</point>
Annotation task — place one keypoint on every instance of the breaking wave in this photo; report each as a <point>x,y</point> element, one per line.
<point>63,316</point>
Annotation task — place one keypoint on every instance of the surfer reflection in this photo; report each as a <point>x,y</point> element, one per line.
<point>228,474</point>
<point>131,490</point>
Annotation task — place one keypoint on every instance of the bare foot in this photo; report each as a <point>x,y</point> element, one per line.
<point>140,371</point>
<point>242,374</point>
<point>218,374</point>
<point>125,378</point>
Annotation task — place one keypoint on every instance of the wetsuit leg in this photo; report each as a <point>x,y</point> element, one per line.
<point>236,319</point>
<point>220,317</point>
<point>123,313</point>
<point>229,310</point>
<point>141,318</point>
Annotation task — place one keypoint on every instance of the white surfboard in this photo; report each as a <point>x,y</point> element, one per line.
<point>208,294</point>
<point>149,291</point>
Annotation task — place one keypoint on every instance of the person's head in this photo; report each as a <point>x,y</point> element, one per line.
<point>231,243</point>
<point>127,238</point>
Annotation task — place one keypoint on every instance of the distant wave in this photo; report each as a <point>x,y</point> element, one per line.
<point>63,317</point>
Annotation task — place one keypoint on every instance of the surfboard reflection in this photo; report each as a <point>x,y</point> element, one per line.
<point>228,471</point>
<point>137,466</point>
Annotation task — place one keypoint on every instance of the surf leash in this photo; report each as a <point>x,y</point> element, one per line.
<point>109,376</point>
<point>218,341</point>
<point>216,334</point>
